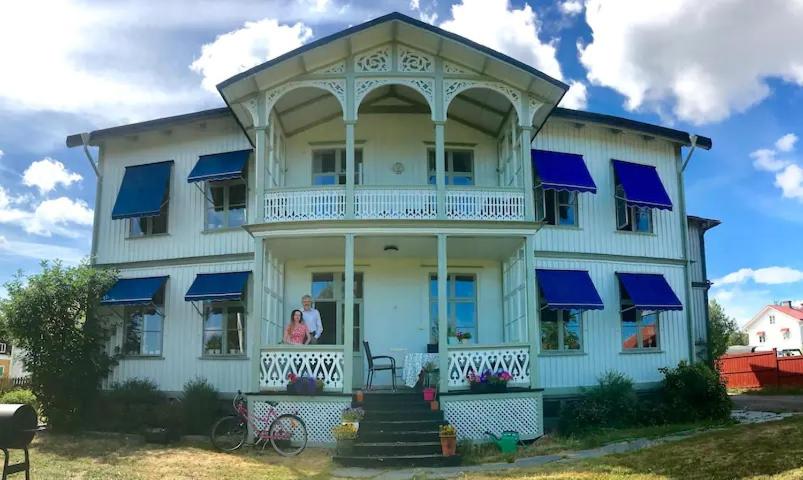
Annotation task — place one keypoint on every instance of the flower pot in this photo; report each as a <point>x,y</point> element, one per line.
<point>345,447</point>
<point>359,397</point>
<point>429,394</point>
<point>292,388</point>
<point>476,387</point>
<point>448,446</point>
<point>497,387</point>
<point>434,405</point>
<point>356,425</point>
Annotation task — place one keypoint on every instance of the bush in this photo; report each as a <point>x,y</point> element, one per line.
<point>131,406</point>
<point>694,392</point>
<point>200,405</point>
<point>20,396</point>
<point>610,403</point>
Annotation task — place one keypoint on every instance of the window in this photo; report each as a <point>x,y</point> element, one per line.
<point>225,204</point>
<point>639,327</point>
<point>459,167</point>
<point>4,350</point>
<point>329,166</point>
<point>631,218</point>
<point>328,296</point>
<point>772,319</point>
<point>786,334</point>
<point>224,328</point>
<point>762,337</point>
<point>143,328</point>
<point>146,226</point>
<point>561,330</point>
<point>461,305</point>
<point>556,207</point>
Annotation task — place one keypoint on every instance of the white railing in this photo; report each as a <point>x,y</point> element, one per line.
<point>307,204</point>
<point>397,203</point>
<point>324,363</point>
<point>464,359</point>
<point>483,204</point>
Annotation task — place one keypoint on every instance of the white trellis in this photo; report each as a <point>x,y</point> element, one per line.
<point>473,415</point>
<point>319,416</point>
<point>514,359</point>
<point>276,364</point>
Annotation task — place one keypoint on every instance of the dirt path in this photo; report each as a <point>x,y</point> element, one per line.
<point>769,403</point>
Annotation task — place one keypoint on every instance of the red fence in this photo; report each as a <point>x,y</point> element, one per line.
<point>761,369</point>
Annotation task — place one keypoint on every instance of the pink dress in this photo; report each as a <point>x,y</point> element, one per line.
<point>297,334</point>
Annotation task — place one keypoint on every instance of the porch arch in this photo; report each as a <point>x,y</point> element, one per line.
<point>364,86</point>
<point>337,87</point>
<point>453,88</point>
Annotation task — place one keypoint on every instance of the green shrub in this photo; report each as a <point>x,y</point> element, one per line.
<point>694,392</point>
<point>610,403</point>
<point>200,405</point>
<point>130,406</point>
<point>20,396</point>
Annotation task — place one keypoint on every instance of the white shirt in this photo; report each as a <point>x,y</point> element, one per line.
<point>312,318</point>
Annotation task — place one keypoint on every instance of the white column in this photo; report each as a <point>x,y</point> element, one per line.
<point>443,320</point>
<point>525,133</point>
<point>440,167</point>
<point>348,315</point>
<point>350,169</point>
<point>261,159</point>
<point>532,308</point>
<point>257,311</point>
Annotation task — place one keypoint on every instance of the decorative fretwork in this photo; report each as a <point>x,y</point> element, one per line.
<point>376,60</point>
<point>363,86</point>
<point>325,365</point>
<point>495,413</point>
<point>319,417</point>
<point>384,203</point>
<point>463,361</point>
<point>338,67</point>
<point>479,204</point>
<point>335,86</point>
<point>414,61</point>
<point>452,88</point>
<point>450,68</point>
<point>301,205</point>
<point>534,104</point>
<point>252,105</point>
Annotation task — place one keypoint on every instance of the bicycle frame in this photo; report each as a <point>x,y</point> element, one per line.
<point>260,434</point>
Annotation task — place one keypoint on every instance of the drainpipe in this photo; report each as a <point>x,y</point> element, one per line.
<point>98,191</point>
<point>684,228</point>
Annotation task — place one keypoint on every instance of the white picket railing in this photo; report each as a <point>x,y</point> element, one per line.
<point>307,204</point>
<point>473,203</point>
<point>324,363</point>
<point>465,359</point>
<point>382,203</point>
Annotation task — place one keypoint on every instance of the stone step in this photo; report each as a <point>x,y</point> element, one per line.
<point>399,425</point>
<point>379,415</point>
<point>406,436</point>
<point>398,461</point>
<point>397,448</point>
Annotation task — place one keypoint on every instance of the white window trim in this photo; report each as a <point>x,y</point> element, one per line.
<point>148,232</point>
<point>225,331</point>
<point>640,314</point>
<point>160,312</point>
<point>563,318</point>
<point>630,214</point>
<point>340,165</point>
<point>451,299</point>
<point>208,199</point>
<point>540,206</point>
<point>449,168</point>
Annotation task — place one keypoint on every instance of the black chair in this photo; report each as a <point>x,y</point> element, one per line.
<point>377,368</point>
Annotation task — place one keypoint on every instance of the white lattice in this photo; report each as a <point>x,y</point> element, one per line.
<point>319,417</point>
<point>477,204</point>
<point>364,86</point>
<point>376,60</point>
<point>452,88</point>
<point>514,359</point>
<point>414,61</point>
<point>276,365</point>
<point>301,205</point>
<point>335,86</point>
<point>384,203</point>
<point>495,413</point>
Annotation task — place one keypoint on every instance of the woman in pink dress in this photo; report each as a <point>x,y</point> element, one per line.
<point>296,332</point>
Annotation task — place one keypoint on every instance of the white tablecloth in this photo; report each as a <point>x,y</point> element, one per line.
<point>413,363</point>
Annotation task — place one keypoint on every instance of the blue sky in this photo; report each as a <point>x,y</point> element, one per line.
<point>728,69</point>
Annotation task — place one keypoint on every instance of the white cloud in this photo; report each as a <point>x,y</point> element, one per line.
<point>766,276</point>
<point>2,153</point>
<point>701,60</point>
<point>786,143</point>
<point>571,7</point>
<point>45,174</point>
<point>790,181</point>
<point>40,251</point>
<point>576,97</point>
<point>788,175</point>
<point>241,49</point>
<point>741,303</point>
<point>61,216</point>
<point>766,159</point>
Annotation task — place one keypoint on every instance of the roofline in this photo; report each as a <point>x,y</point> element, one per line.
<point>760,312</point>
<point>387,18</point>
<point>678,136</point>
<point>705,223</point>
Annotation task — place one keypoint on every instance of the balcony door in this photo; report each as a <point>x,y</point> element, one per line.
<point>328,295</point>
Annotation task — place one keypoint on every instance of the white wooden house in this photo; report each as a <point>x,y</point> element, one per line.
<point>438,178</point>
<point>777,327</point>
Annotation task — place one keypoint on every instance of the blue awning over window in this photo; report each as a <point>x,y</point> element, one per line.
<point>217,286</point>
<point>642,185</point>
<point>144,190</point>
<point>133,291</point>
<point>568,290</point>
<point>219,166</point>
<point>562,171</point>
<point>649,291</point>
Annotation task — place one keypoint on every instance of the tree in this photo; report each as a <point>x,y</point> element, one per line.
<point>723,331</point>
<point>53,317</point>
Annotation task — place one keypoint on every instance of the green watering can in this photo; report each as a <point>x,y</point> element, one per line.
<point>506,442</point>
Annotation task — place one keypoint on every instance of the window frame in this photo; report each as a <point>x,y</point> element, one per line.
<point>449,172</point>
<point>149,223</point>
<point>452,300</point>
<point>762,337</point>
<point>786,333</point>
<point>224,330</point>
<point>340,167</point>
<point>226,185</point>
<point>772,319</point>
<point>639,324</point>
<point>630,213</point>
<point>543,213</point>
<point>563,317</point>
<point>158,305</point>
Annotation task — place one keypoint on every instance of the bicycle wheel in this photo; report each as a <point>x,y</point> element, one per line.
<point>229,433</point>
<point>288,435</point>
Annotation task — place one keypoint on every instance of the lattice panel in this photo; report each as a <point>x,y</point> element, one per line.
<point>275,366</point>
<point>474,417</point>
<point>411,60</point>
<point>515,360</point>
<point>319,417</point>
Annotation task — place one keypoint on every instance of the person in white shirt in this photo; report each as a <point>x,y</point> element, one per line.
<point>312,318</point>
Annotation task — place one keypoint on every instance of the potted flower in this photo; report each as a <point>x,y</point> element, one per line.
<point>448,435</point>
<point>303,385</point>
<point>345,435</point>
<point>488,381</point>
<point>352,416</point>
<point>429,380</point>
<point>497,382</point>
<point>463,337</point>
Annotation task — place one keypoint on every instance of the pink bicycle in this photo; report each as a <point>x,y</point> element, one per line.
<point>286,432</point>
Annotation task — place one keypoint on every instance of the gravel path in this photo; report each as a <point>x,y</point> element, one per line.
<point>769,403</point>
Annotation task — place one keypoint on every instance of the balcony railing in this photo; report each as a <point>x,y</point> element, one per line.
<point>394,203</point>
<point>320,361</point>
<point>464,359</point>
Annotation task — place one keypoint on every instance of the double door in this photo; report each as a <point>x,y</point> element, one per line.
<point>328,295</point>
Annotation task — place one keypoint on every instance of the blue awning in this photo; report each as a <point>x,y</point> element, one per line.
<point>568,290</point>
<point>562,171</point>
<point>649,291</point>
<point>642,185</point>
<point>144,190</point>
<point>133,291</point>
<point>217,286</point>
<point>219,166</point>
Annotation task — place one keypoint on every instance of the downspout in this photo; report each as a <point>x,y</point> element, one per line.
<point>684,228</point>
<point>98,190</point>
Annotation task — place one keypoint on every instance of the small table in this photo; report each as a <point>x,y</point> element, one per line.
<point>413,363</point>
